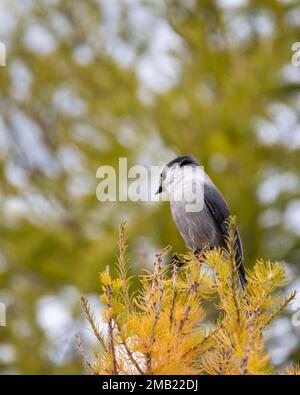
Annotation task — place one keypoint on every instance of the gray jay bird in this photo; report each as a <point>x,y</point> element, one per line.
<point>198,208</point>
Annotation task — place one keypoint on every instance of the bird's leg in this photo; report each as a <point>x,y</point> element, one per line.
<point>175,260</point>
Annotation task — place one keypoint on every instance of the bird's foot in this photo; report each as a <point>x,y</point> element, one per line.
<point>197,252</point>
<point>175,260</point>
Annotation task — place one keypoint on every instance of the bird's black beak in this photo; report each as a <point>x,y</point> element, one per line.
<point>159,190</point>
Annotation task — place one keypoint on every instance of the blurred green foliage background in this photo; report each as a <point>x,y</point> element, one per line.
<point>88,82</point>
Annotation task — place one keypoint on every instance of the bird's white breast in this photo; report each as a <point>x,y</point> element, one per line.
<point>186,185</point>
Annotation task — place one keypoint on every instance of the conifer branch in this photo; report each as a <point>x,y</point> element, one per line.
<point>156,305</point>
<point>83,354</point>
<point>174,294</point>
<point>122,259</point>
<point>233,270</point>
<point>91,318</point>
<point>283,305</point>
<point>155,276</point>
<point>250,329</point>
<point>149,338</point>
<point>192,291</point>
<point>203,341</point>
<point>110,326</point>
<point>128,352</point>
<point>157,308</point>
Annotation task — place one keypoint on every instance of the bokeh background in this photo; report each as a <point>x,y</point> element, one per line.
<point>90,81</point>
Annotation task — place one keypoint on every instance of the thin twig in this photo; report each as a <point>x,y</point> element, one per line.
<point>91,318</point>
<point>110,327</point>
<point>198,345</point>
<point>192,291</point>
<point>174,295</point>
<point>155,320</point>
<point>154,306</point>
<point>157,309</point>
<point>83,354</point>
<point>123,266</point>
<point>233,276</point>
<point>250,328</point>
<point>279,310</point>
<point>157,268</point>
<point>128,351</point>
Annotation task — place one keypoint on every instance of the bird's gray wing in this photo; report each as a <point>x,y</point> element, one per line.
<point>219,210</point>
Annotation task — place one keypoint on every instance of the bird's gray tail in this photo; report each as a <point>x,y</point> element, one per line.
<point>242,277</point>
<point>239,260</point>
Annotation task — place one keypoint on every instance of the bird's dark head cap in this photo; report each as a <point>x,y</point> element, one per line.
<point>184,160</point>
